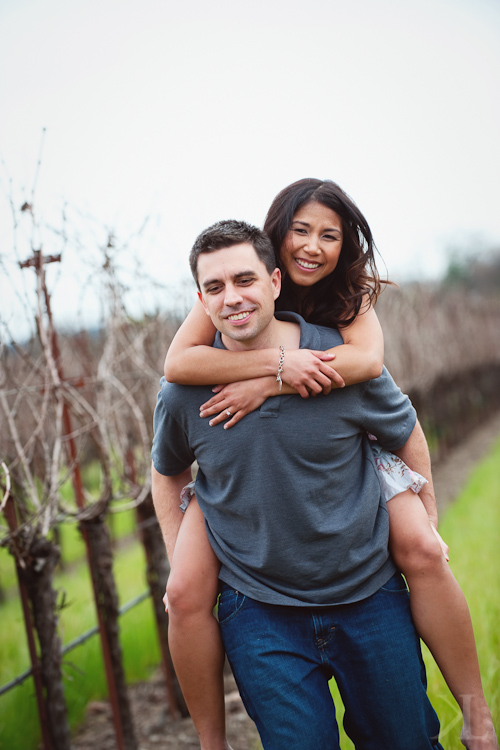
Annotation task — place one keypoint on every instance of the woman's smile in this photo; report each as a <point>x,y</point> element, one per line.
<point>307,265</point>
<point>313,244</point>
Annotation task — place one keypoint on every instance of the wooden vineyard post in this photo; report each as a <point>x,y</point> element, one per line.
<point>122,716</point>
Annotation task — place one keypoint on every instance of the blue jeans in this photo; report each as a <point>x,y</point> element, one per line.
<point>283,657</point>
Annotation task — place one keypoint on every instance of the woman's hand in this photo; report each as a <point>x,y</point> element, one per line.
<point>444,547</point>
<point>238,399</point>
<point>307,371</point>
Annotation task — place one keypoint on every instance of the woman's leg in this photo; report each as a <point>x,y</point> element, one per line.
<point>440,613</point>
<point>193,632</point>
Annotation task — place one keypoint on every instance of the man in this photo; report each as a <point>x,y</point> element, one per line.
<point>293,512</point>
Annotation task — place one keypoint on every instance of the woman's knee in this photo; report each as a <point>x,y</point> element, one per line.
<point>189,595</point>
<point>418,553</point>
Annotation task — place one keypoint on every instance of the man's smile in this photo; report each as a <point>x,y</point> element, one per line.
<point>239,316</point>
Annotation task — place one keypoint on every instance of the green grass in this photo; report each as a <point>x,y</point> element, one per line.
<point>83,668</point>
<point>121,525</point>
<point>471,527</point>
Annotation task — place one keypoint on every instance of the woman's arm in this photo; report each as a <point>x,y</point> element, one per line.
<point>361,357</point>
<point>192,360</point>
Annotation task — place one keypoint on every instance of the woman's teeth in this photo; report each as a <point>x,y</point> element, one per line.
<point>305,264</point>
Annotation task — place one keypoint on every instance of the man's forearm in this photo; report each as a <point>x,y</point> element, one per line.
<point>415,453</point>
<point>166,493</point>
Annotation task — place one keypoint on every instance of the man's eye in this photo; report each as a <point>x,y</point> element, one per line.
<point>246,281</point>
<point>213,289</point>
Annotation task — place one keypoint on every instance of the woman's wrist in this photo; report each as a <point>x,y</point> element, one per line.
<point>270,387</point>
<point>271,358</point>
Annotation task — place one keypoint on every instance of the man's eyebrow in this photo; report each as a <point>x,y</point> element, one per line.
<point>236,276</point>
<point>209,282</point>
<point>244,273</point>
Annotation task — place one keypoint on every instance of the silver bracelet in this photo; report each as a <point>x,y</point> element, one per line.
<point>280,367</point>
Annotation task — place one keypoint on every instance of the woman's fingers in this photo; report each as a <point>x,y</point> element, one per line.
<point>235,400</point>
<point>321,381</point>
<point>306,369</point>
<point>220,407</point>
<point>235,418</point>
<point>444,547</point>
<point>336,378</point>
<point>221,417</point>
<point>324,356</point>
<point>212,406</point>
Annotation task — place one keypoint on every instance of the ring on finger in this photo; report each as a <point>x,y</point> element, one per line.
<point>228,413</point>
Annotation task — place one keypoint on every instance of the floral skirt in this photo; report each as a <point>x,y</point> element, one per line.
<point>394,475</point>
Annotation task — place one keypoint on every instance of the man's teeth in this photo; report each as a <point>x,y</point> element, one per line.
<point>239,316</point>
<point>305,264</point>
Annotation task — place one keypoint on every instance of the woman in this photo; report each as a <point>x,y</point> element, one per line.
<point>325,249</point>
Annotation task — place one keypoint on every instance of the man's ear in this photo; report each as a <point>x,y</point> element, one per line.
<point>276,282</point>
<point>200,297</point>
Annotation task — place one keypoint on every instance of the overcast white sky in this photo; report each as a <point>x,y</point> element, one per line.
<point>190,112</point>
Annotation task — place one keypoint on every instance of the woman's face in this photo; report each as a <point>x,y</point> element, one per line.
<point>312,245</point>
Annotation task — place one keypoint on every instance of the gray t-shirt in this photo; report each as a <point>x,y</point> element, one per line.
<point>290,494</point>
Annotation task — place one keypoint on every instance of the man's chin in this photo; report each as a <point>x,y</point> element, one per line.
<point>241,334</point>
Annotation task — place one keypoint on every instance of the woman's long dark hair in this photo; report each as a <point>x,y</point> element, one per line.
<point>335,300</point>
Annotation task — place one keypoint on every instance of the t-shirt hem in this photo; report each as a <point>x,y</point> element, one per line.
<point>269,596</point>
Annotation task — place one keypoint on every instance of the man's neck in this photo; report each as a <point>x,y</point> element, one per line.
<point>277,333</point>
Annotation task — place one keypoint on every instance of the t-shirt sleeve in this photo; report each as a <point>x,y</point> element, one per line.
<point>171,452</point>
<point>387,413</point>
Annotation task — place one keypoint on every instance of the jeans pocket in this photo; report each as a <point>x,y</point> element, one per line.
<point>229,604</point>
<point>395,585</point>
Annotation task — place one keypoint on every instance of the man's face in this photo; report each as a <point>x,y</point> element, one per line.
<point>238,293</point>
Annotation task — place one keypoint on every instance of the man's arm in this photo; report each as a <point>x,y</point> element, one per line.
<point>415,453</point>
<point>166,493</point>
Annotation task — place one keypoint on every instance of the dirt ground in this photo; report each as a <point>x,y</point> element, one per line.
<point>155,729</point>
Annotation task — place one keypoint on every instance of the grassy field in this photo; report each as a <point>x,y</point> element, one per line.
<point>83,667</point>
<point>471,527</point>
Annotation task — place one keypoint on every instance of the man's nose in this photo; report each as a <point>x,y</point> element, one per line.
<point>232,296</point>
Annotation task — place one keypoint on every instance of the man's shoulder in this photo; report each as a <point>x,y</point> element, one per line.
<point>173,395</point>
<point>313,336</point>
<point>329,336</point>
